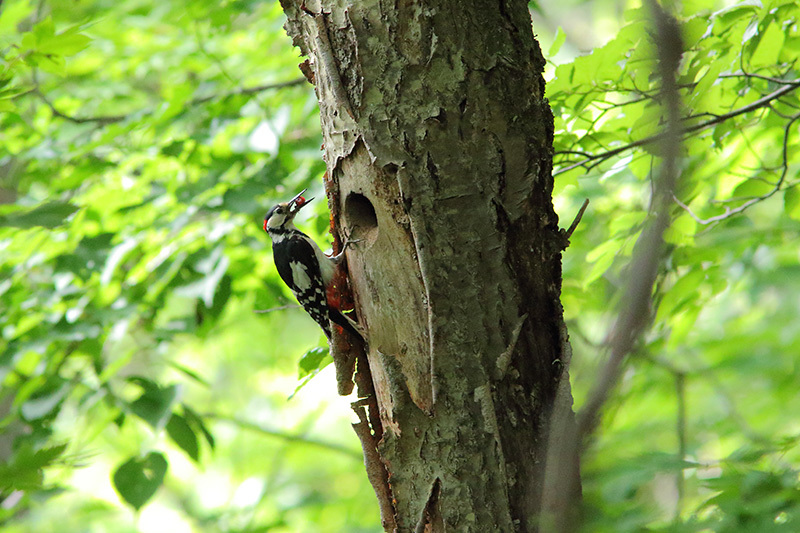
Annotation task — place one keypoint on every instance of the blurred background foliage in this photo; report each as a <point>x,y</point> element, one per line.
<point>145,388</point>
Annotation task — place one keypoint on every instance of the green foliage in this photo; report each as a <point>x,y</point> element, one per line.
<point>140,145</point>
<point>716,375</point>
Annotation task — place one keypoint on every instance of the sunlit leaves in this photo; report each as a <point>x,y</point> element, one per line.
<point>48,215</point>
<point>724,302</point>
<point>310,364</point>
<point>24,470</point>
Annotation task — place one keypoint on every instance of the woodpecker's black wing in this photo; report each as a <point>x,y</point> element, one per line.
<point>298,268</point>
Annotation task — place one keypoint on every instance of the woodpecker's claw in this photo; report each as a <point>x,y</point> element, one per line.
<point>347,242</point>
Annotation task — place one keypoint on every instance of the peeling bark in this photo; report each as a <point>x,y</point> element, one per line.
<point>438,141</point>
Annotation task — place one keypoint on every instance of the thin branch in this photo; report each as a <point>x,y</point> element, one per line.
<point>246,91</point>
<point>636,304</point>
<point>761,102</point>
<point>751,202</point>
<point>577,220</point>
<point>279,308</point>
<point>289,437</point>
<point>680,428</point>
<point>770,79</point>
<point>110,119</point>
<point>102,120</point>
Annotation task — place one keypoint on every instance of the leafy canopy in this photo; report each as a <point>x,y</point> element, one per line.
<point>141,143</point>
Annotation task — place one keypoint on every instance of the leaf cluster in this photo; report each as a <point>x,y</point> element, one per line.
<point>140,146</point>
<point>701,433</point>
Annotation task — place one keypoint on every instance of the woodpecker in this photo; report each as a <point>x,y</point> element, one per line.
<point>304,267</point>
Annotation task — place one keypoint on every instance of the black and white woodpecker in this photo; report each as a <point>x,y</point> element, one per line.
<point>304,267</point>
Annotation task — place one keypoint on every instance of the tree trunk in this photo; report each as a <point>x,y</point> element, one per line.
<point>438,143</point>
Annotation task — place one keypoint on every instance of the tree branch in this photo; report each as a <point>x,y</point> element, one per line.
<point>289,437</point>
<point>110,119</point>
<point>577,220</point>
<point>596,159</point>
<point>635,312</point>
<point>749,203</point>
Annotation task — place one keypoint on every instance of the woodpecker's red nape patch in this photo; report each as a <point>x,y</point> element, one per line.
<point>265,224</point>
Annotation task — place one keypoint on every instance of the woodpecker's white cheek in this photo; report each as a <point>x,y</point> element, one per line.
<point>300,276</point>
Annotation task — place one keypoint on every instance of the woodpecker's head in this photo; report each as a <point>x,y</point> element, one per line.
<point>281,215</point>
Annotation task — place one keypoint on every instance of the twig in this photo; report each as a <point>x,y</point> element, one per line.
<point>577,220</point>
<point>246,91</point>
<point>770,79</point>
<point>103,120</point>
<point>279,308</point>
<point>761,102</point>
<point>731,212</point>
<point>111,119</point>
<point>252,426</point>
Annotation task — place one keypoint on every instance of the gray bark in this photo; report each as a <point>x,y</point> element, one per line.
<point>438,144</point>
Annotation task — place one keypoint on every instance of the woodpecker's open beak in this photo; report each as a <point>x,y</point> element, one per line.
<point>296,203</point>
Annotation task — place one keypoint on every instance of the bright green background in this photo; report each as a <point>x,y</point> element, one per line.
<point>140,145</point>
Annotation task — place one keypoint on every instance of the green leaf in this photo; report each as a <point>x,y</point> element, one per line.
<point>183,435</point>
<point>558,42</point>
<point>154,405</point>
<point>49,215</point>
<point>70,42</point>
<point>791,202</point>
<point>310,364</point>
<point>681,230</point>
<point>24,470</point>
<point>312,361</point>
<point>45,401</point>
<point>769,46</point>
<point>138,479</point>
<point>195,420</point>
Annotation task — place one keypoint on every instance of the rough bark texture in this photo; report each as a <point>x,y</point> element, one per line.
<point>438,142</point>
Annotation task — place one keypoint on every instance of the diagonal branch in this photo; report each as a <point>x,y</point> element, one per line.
<point>596,159</point>
<point>561,488</point>
<point>752,201</point>
<point>111,119</point>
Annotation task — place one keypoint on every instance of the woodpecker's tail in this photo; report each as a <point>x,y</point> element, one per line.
<point>338,318</point>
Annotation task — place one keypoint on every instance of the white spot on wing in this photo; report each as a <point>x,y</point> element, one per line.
<point>300,276</point>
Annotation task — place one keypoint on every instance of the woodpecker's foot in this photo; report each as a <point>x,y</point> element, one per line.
<point>347,242</point>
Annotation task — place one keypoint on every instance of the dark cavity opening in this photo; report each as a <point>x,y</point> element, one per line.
<point>360,217</point>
